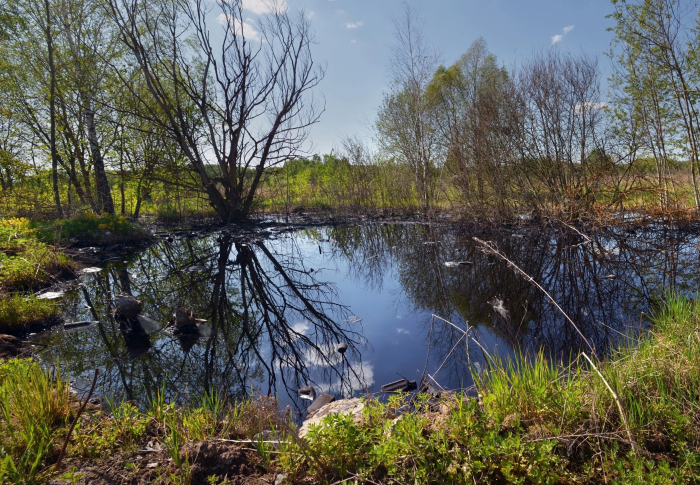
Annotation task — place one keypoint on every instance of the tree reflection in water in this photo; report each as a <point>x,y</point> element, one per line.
<point>272,325</point>
<point>604,284</point>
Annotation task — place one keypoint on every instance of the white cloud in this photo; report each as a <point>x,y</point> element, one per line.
<point>403,331</point>
<point>354,25</point>
<point>558,38</point>
<point>240,27</point>
<point>311,15</point>
<point>359,377</point>
<point>264,6</point>
<point>353,41</point>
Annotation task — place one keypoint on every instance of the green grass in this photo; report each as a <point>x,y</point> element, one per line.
<point>18,312</point>
<point>25,262</point>
<point>532,421</point>
<point>89,228</point>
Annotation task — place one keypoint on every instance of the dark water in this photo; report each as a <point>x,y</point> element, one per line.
<point>277,306</point>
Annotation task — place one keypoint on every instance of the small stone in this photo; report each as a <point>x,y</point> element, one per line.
<point>281,479</point>
<point>128,306</point>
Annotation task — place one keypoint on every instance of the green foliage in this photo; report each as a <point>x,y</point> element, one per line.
<point>533,421</point>
<point>25,262</point>
<point>90,228</point>
<point>18,312</point>
<point>33,406</point>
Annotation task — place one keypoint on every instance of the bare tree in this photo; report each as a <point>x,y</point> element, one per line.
<point>404,126</point>
<point>237,102</point>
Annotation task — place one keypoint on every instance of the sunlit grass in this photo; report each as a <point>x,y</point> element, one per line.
<point>17,312</point>
<point>530,420</point>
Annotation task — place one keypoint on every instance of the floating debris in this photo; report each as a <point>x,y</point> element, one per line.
<point>497,305</point>
<point>71,325</point>
<point>353,319</point>
<point>342,347</point>
<point>91,270</point>
<point>402,384</point>
<point>307,392</point>
<point>321,401</point>
<point>455,264</point>
<point>128,306</point>
<point>50,295</point>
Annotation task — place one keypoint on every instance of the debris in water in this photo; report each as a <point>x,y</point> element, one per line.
<point>342,347</point>
<point>353,319</point>
<point>50,295</point>
<point>307,392</point>
<point>70,325</point>
<point>91,270</point>
<point>497,305</point>
<point>193,269</point>
<point>455,264</point>
<point>321,401</point>
<point>128,306</point>
<point>402,384</point>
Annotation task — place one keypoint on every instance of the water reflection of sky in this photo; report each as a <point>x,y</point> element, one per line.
<point>277,308</point>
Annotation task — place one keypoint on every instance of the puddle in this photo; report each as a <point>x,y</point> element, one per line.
<point>277,309</point>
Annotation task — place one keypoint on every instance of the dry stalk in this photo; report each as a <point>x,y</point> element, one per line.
<point>489,248</point>
<point>75,421</point>
<point>617,401</point>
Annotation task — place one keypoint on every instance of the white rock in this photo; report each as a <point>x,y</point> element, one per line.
<point>345,406</point>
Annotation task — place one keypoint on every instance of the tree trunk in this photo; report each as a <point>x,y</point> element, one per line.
<point>52,111</point>
<point>105,203</point>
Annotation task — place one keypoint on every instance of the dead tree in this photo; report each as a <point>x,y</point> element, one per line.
<point>238,102</point>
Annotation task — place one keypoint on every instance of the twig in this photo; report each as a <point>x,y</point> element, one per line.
<point>450,353</point>
<point>466,332</point>
<point>75,421</point>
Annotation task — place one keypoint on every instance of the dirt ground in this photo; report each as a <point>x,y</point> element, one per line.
<point>228,462</point>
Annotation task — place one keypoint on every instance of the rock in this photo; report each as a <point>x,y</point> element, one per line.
<point>320,401</point>
<point>345,406</point>
<point>307,392</point>
<point>185,322</point>
<point>342,347</point>
<point>400,385</point>
<point>9,347</point>
<point>281,479</point>
<point>128,306</point>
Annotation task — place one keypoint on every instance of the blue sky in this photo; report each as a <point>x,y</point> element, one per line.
<point>354,39</point>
